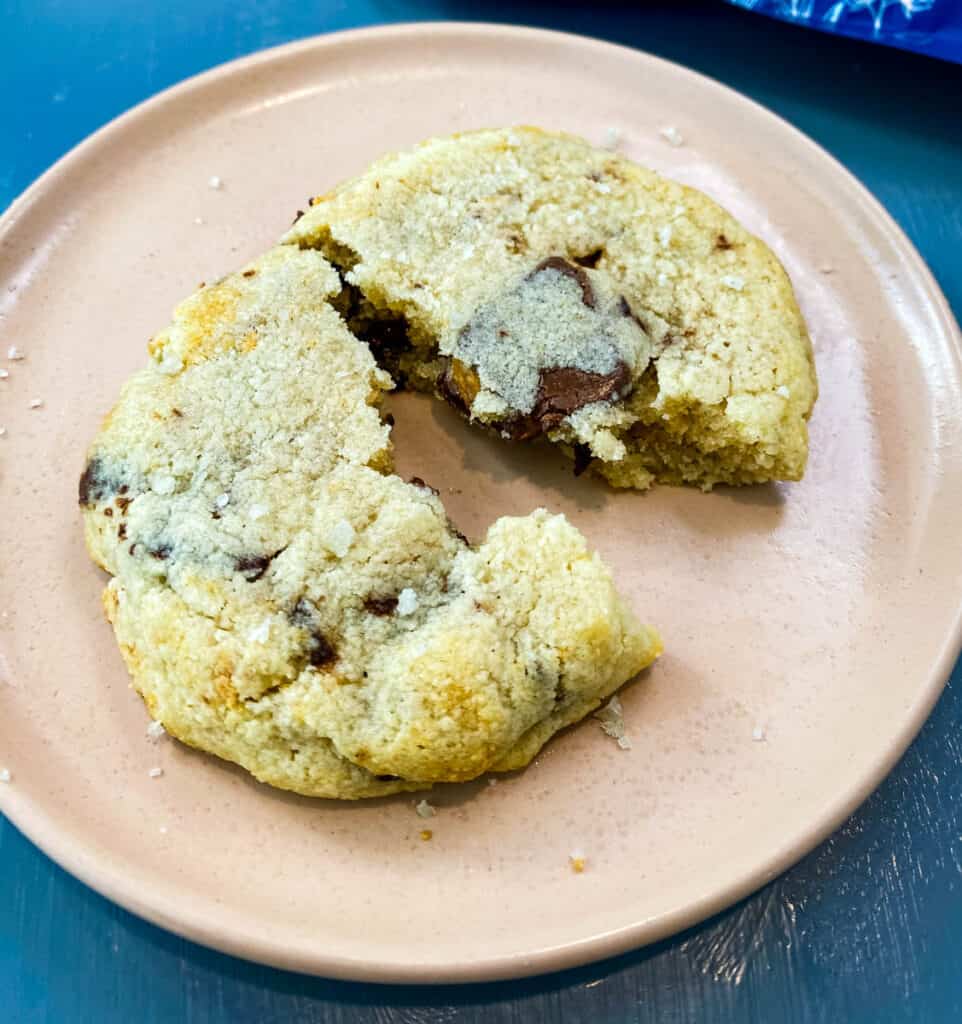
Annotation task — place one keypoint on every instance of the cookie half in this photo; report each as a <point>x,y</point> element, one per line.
<point>546,287</point>
<point>284,601</point>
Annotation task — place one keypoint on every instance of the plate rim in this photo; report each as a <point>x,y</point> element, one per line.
<point>60,846</point>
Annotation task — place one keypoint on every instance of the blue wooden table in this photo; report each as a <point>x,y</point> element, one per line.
<point>869,926</point>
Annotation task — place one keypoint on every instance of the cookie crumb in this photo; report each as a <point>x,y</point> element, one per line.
<point>36,403</point>
<point>671,135</point>
<point>215,182</point>
<point>155,730</point>
<point>758,734</point>
<point>5,775</point>
<point>198,220</point>
<point>155,773</point>
<point>611,718</point>
<point>222,500</point>
<point>407,602</point>
<point>3,431</point>
<point>426,834</point>
<point>424,810</point>
<point>734,282</point>
<point>578,861</point>
<point>492,782</point>
<point>15,354</point>
<point>827,269</point>
<point>782,390</point>
<point>4,374</point>
<point>162,830</point>
<point>340,538</point>
<point>613,137</point>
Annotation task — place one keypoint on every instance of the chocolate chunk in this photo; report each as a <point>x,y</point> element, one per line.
<point>590,260</point>
<point>297,217</point>
<point>418,482</point>
<point>562,266</point>
<point>563,390</point>
<point>252,567</point>
<point>97,483</point>
<point>108,511</point>
<point>122,531</point>
<point>387,778</point>
<point>380,605</point>
<point>320,652</point>
<point>248,273</point>
<point>160,551</point>
<point>583,458</point>
<point>721,242</point>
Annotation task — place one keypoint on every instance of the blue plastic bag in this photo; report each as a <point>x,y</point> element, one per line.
<point>932,27</point>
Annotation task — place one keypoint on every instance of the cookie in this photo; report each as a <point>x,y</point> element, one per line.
<point>546,287</point>
<point>284,601</point>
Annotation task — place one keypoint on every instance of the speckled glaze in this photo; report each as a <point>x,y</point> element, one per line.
<point>821,616</point>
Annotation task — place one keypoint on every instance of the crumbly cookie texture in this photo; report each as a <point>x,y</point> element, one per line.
<point>466,256</point>
<point>284,601</point>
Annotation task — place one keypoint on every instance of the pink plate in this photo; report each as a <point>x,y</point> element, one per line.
<point>825,614</point>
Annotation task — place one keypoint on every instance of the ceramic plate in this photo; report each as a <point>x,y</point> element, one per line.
<point>809,627</point>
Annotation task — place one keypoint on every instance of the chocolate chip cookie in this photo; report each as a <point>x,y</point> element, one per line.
<point>284,601</point>
<point>546,287</point>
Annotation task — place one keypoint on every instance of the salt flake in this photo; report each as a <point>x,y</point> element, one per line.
<point>340,538</point>
<point>425,810</point>
<point>612,721</point>
<point>215,182</point>
<point>15,354</point>
<point>155,730</point>
<point>407,602</point>
<point>260,634</point>
<point>671,135</point>
<point>162,483</point>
